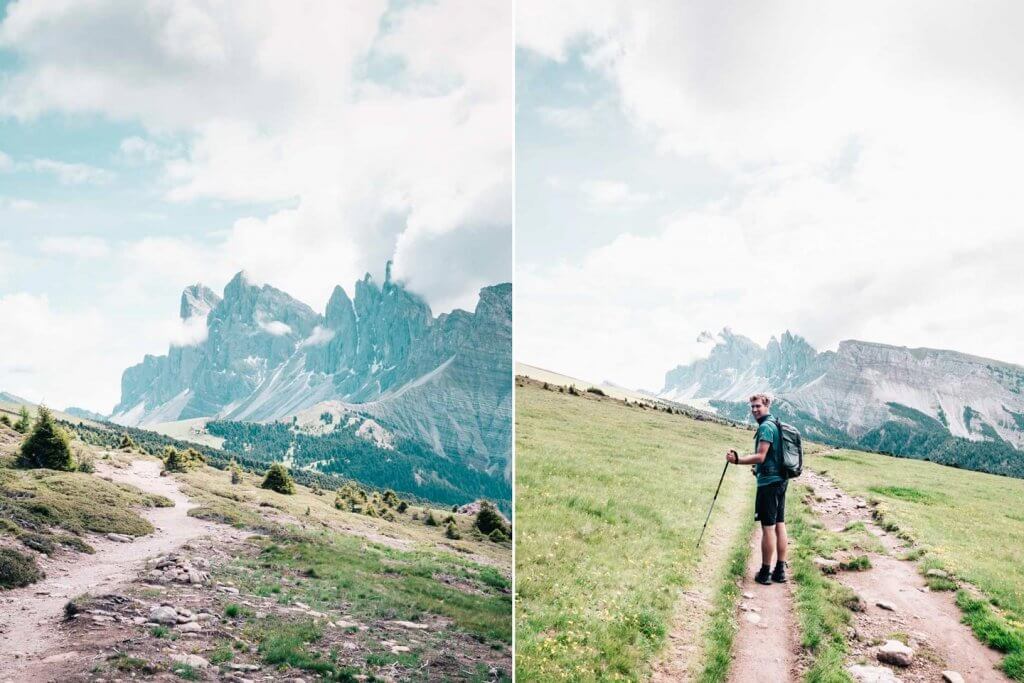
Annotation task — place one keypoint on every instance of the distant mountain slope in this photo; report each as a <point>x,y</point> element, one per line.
<point>444,382</point>
<point>944,405</point>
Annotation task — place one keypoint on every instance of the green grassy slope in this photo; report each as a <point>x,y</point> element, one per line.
<point>973,523</point>
<point>609,503</point>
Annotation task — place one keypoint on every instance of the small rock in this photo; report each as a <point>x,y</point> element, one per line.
<point>886,605</point>
<point>410,624</point>
<point>396,649</point>
<point>120,538</point>
<point>344,623</point>
<point>190,627</point>
<point>748,596</point>
<point>826,565</point>
<point>301,605</point>
<point>190,660</point>
<point>163,614</point>
<point>871,674</point>
<point>937,573</point>
<point>753,617</point>
<point>952,677</point>
<point>895,652</point>
<point>244,667</point>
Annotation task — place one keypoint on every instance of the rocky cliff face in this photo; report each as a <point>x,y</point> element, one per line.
<point>445,381</point>
<point>863,386</point>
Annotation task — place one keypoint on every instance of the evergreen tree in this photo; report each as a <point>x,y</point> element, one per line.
<point>127,443</point>
<point>430,520</point>
<point>24,423</point>
<point>47,446</point>
<point>452,531</point>
<point>279,480</point>
<point>5,421</point>
<point>182,461</point>
<point>236,472</point>
<point>488,519</point>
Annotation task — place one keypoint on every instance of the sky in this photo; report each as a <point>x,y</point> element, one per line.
<point>840,170</point>
<point>146,146</point>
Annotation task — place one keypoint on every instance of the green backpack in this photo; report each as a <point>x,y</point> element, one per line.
<point>791,454</point>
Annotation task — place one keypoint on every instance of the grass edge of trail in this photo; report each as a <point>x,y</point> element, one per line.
<point>820,603</point>
<point>722,628</point>
<point>993,631</point>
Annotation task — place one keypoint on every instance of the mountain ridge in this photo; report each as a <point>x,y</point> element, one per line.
<point>443,380</point>
<point>892,398</point>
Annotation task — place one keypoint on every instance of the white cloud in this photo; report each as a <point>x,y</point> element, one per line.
<point>319,337</point>
<point>566,118</point>
<point>191,331</point>
<point>85,247</point>
<point>870,147</point>
<point>137,150</point>
<point>6,163</point>
<point>39,363</point>
<point>272,102</point>
<point>274,327</point>
<point>72,174</point>
<point>17,204</point>
<point>612,193</point>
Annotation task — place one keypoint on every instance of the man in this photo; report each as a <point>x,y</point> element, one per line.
<point>770,504</point>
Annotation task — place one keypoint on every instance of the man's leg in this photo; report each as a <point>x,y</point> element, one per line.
<point>781,541</point>
<point>767,544</point>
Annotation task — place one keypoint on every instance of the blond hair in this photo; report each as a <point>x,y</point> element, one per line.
<point>763,398</point>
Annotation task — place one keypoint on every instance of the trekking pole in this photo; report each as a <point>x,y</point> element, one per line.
<point>712,504</point>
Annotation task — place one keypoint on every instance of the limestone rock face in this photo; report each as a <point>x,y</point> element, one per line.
<point>445,381</point>
<point>873,394</point>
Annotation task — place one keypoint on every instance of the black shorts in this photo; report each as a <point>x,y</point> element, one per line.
<point>770,505</point>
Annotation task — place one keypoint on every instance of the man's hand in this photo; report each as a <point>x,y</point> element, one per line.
<point>732,456</point>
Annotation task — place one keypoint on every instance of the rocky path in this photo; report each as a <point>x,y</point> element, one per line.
<point>30,638</point>
<point>765,646</point>
<point>897,605</point>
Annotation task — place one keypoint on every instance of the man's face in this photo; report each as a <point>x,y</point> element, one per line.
<point>758,409</point>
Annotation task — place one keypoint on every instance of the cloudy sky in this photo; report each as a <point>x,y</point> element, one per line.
<point>842,170</point>
<point>148,145</point>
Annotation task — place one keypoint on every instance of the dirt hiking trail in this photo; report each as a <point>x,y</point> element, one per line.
<point>765,646</point>
<point>30,637</point>
<point>928,620</point>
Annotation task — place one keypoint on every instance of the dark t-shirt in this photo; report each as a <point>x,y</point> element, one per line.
<point>767,431</point>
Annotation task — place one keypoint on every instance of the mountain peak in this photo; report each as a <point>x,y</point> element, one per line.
<point>197,300</point>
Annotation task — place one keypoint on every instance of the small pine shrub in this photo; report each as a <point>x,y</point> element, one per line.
<point>402,506</point>
<point>488,519</point>
<point>182,461</point>
<point>596,391</point>
<point>87,466</point>
<point>316,490</point>
<point>388,515</point>
<point>451,531</point>
<point>47,446</point>
<point>127,443</point>
<point>430,519</point>
<point>5,421</point>
<point>390,498</point>
<point>449,520</point>
<point>17,570</point>
<point>236,473</point>
<point>278,480</point>
<point>370,511</point>
<point>24,423</point>
<point>498,536</point>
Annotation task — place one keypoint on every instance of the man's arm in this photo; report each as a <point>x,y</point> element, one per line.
<point>753,458</point>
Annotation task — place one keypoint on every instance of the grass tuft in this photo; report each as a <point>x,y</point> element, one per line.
<point>722,629</point>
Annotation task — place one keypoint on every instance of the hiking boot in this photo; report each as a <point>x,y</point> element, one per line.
<point>763,576</point>
<point>779,575</point>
